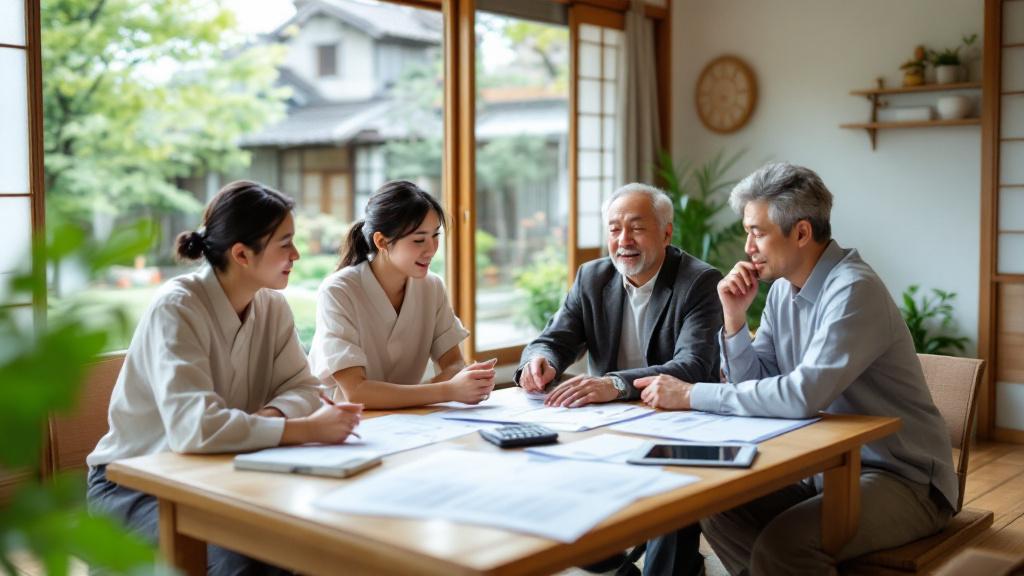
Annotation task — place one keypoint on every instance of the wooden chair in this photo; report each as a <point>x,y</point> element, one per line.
<point>953,383</point>
<point>73,436</point>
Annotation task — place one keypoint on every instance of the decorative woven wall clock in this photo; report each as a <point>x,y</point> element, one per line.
<point>726,94</point>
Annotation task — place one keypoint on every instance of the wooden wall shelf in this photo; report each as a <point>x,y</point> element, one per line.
<point>922,88</point>
<point>874,95</point>
<point>921,124</point>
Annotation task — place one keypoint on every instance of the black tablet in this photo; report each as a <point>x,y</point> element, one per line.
<point>695,454</point>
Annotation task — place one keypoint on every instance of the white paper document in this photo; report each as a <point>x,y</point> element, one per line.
<point>381,436</point>
<point>704,427</point>
<point>603,447</point>
<point>519,407</point>
<point>556,499</point>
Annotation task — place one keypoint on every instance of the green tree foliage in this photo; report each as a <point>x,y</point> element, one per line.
<point>41,371</point>
<point>546,42</point>
<point>930,322</point>
<point>137,94</point>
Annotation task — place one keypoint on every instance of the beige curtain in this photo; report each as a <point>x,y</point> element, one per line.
<point>640,137</point>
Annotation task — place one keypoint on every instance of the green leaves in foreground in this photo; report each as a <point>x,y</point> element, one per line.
<point>51,522</point>
<point>41,371</point>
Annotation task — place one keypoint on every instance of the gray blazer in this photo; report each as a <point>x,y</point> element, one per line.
<point>683,320</point>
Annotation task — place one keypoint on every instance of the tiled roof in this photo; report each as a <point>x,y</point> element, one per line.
<point>377,120</point>
<point>379,20</point>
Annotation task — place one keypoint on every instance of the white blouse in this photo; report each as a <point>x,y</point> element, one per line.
<point>195,374</point>
<point>356,325</point>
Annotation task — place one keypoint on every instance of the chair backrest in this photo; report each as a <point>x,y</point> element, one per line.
<point>953,383</point>
<point>73,436</point>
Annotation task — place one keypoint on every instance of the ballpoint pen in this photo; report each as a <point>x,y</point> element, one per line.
<point>327,400</point>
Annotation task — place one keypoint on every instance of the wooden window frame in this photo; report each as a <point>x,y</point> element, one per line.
<point>459,159</point>
<point>991,305</point>
<point>11,480</point>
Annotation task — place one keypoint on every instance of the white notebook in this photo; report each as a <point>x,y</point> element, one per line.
<point>334,461</point>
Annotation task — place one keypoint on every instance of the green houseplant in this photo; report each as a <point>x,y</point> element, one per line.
<point>947,62</point>
<point>41,370</point>
<point>930,321</point>
<point>702,222</point>
<point>544,283</point>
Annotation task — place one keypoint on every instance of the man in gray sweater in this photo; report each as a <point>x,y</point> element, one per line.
<point>831,339</point>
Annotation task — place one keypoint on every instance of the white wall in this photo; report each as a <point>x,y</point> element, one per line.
<point>355,59</point>
<point>912,207</point>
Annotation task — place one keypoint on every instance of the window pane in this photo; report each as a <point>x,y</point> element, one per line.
<point>312,184</point>
<point>12,25</point>
<point>15,240</point>
<point>1011,166</point>
<point>589,164</point>
<point>590,97</point>
<point>610,92</point>
<point>590,132</point>
<point>611,62</point>
<point>589,235</point>
<point>1013,69</point>
<point>1012,116</point>
<point>1013,23</point>
<point>1011,209</point>
<point>521,174</point>
<point>590,60</point>
<point>589,192</point>
<point>590,33</point>
<point>1011,254</point>
<point>14,122</point>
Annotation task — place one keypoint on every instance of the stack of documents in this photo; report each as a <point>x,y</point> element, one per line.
<point>523,408</point>
<point>600,448</point>
<point>556,499</point>
<point>704,427</point>
<point>381,436</point>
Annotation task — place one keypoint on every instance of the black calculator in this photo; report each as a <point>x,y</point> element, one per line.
<point>515,435</point>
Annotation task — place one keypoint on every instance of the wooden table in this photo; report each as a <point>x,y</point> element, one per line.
<point>275,517</point>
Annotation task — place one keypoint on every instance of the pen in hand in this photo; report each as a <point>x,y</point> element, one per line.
<point>327,400</point>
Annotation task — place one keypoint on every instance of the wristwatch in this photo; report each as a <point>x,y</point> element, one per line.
<point>620,387</point>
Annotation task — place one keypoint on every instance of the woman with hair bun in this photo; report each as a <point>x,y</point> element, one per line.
<point>215,364</point>
<point>382,316</point>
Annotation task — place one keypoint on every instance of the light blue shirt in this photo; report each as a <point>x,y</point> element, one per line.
<point>838,345</point>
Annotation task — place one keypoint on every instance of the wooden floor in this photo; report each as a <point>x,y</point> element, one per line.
<point>995,482</point>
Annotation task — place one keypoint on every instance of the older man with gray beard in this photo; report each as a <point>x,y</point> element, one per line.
<point>648,308</point>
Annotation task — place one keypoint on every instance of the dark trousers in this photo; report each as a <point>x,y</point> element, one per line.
<point>138,513</point>
<point>675,554</point>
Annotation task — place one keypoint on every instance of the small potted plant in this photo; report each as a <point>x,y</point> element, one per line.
<point>947,62</point>
<point>913,69</point>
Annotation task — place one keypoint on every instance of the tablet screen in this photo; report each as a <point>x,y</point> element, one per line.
<point>709,453</point>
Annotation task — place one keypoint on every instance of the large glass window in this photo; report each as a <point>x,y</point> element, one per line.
<point>313,103</point>
<point>521,178</point>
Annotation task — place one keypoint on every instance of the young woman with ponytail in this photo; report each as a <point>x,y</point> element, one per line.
<point>382,316</point>
<point>215,364</point>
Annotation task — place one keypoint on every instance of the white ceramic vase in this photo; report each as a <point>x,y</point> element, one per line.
<point>953,107</point>
<point>947,74</point>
